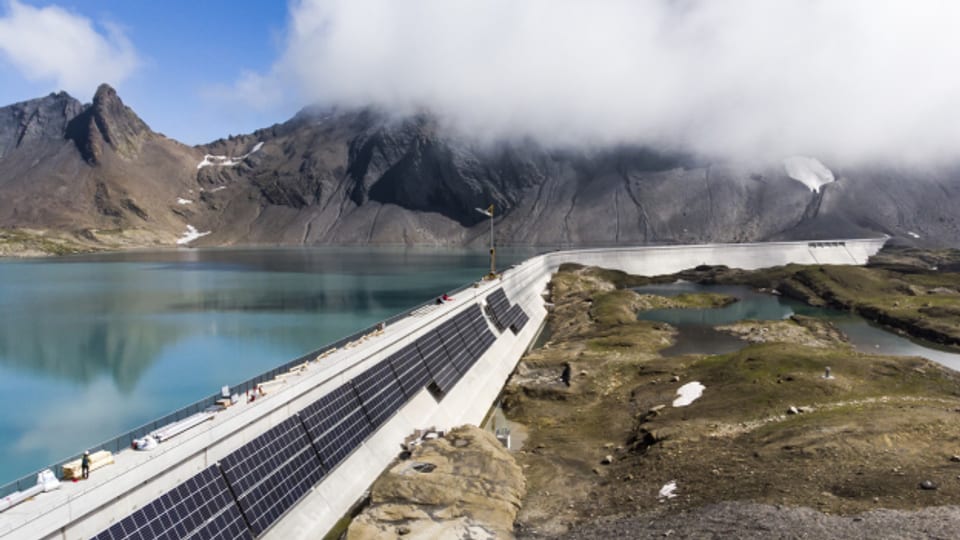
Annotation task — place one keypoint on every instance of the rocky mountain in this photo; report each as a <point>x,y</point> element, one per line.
<point>94,171</point>
<point>99,173</point>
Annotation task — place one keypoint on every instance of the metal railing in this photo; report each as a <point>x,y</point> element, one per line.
<point>125,440</point>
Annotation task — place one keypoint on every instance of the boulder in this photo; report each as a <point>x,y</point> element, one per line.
<point>473,490</point>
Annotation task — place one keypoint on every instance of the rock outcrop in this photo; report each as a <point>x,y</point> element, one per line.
<point>36,121</point>
<point>464,485</point>
<point>107,122</point>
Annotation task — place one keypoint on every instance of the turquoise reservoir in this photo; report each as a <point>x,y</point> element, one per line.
<point>93,346</point>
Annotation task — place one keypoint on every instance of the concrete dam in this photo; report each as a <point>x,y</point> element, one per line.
<point>293,462</point>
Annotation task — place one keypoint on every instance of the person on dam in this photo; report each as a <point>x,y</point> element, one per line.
<point>85,465</point>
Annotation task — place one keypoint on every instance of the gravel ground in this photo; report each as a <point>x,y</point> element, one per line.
<point>760,521</point>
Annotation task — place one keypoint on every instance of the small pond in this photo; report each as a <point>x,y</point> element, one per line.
<point>697,336</point>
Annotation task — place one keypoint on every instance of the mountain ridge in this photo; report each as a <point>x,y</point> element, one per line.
<point>99,174</point>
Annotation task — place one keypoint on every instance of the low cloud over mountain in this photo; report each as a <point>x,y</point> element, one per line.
<point>853,82</point>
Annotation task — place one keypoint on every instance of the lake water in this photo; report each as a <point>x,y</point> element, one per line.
<point>696,335</point>
<point>93,346</point>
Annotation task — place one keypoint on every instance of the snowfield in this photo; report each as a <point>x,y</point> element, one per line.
<point>688,393</point>
<point>210,160</point>
<point>190,235</point>
<point>808,171</point>
<point>668,491</point>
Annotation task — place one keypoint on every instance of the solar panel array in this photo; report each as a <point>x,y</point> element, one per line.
<point>380,393</point>
<point>474,332</point>
<point>435,356</point>
<point>457,350</point>
<point>251,488</point>
<point>498,305</point>
<point>201,507</point>
<point>269,474</point>
<point>410,369</point>
<point>516,318</point>
<point>504,315</point>
<point>337,424</point>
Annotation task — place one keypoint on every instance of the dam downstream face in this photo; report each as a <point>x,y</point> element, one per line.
<point>93,346</point>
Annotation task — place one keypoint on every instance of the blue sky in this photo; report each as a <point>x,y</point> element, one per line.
<point>188,54</point>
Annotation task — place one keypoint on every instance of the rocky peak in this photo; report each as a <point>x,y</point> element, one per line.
<point>107,121</point>
<point>36,120</point>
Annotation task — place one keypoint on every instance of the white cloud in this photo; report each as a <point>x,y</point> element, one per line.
<point>251,89</point>
<point>841,80</point>
<point>56,45</point>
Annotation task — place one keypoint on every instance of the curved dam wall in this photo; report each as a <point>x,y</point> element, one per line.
<point>293,463</point>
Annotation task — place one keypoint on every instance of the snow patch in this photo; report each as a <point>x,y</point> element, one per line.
<point>668,489</point>
<point>190,235</point>
<point>227,161</point>
<point>808,171</point>
<point>219,188</point>
<point>688,393</point>
<point>913,234</point>
<point>181,200</point>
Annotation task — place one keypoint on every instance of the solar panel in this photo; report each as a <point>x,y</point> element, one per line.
<point>472,344</point>
<point>441,369</point>
<point>271,473</point>
<point>522,318</point>
<point>410,369</point>
<point>512,318</point>
<point>486,340</point>
<point>456,348</point>
<point>484,335</point>
<point>498,305</point>
<point>516,318</point>
<point>475,334</point>
<point>466,324</point>
<point>337,424</point>
<point>379,392</point>
<point>200,507</point>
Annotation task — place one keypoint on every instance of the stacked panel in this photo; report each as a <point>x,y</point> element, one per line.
<point>410,369</point>
<point>498,304</point>
<point>337,424</point>
<point>379,392</point>
<point>479,324</point>
<point>456,348</point>
<point>271,473</point>
<point>516,318</point>
<point>468,333</point>
<point>201,507</point>
<point>434,355</point>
